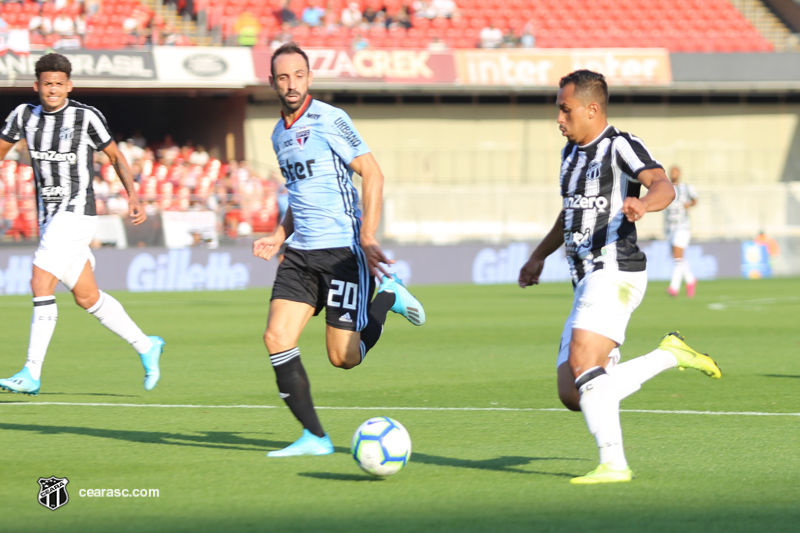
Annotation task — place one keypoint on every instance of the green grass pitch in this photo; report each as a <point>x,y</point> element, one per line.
<point>475,386</point>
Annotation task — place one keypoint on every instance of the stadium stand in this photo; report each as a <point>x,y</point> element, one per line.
<point>679,25</point>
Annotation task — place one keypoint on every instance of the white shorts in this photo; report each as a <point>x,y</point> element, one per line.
<point>604,301</point>
<point>679,238</point>
<point>64,247</point>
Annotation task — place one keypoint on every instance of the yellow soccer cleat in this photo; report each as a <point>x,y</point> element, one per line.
<point>603,474</point>
<point>673,342</point>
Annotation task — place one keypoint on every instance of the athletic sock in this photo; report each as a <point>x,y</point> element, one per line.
<point>295,389</point>
<point>600,408</point>
<point>378,309</point>
<point>112,315</point>
<point>629,376</point>
<point>677,275</point>
<point>688,276</point>
<point>43,324</point>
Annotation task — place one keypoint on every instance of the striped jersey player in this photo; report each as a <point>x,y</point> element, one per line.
<point>595,181</point>
<point>332,256</point>
<point>679,233</point>
<point>62,136</point>
<point>602,174</point>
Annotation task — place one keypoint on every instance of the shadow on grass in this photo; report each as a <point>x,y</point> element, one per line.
<point>340,477</point>
<point>498,464</point>
<point>780,376</point>
<point>226,440</point>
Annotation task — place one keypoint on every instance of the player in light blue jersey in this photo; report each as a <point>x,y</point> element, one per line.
<point>332,257</point>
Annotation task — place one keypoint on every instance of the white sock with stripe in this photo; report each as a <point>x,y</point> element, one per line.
<point>600,408</point>
<point>112,315</point>
<point>43,324</point>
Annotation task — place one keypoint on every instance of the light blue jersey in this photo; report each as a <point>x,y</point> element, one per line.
<point>313,153</point>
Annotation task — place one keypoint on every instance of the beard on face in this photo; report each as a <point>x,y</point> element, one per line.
<point>292,106</point>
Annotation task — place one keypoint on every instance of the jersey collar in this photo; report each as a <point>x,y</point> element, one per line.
<point>59,110</point>
<point>302,112</point>
<point>597,139</point>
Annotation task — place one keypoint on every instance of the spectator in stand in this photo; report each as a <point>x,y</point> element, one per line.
<point>247,29</point>
<point>351,15</point>
<point>313,14</point>
<point>437,44</point>
<point>510,39</point>
<point>41,24</point>
<point>443,8</point>
<point>401,19</point>
<point>90,7</point>
<point>138,139</point>
<point>423,9</point>
<point>527,39</point>
<point>491,37</point>
<point>369,16</point>
<point>286,15</point>
<point>63,24</point>
<point>199,156</point>
<point>80,24</point>
<point>282,37</point>
<point>360,41</point>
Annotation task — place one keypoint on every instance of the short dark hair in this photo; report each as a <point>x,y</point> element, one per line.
<point>589,85</point>
<point>288,48</point>
<point>53,63</point>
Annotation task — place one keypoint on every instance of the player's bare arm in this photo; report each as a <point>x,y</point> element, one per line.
<point>372,178</point>
<point>530,271</point>
<point>660,193</point>
<point>267,247</point>
<point>5,147</point>
<point>135,209</point>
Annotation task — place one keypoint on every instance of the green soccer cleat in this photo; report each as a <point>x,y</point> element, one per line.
<point>673,342</point>
<point>404,304</point>
<point>22,383</point>
<point>603,474</point>
<point>307,444</point>
<point>150,360</point>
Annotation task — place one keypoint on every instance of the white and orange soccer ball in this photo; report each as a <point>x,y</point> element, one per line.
<point>381,446</point>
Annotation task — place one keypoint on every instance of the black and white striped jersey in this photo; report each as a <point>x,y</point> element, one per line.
<point>595,180</point>
<point>61,146</point>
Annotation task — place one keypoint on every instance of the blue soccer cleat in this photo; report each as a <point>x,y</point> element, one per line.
<point>404,303</point>
<point>22,383</point>
<point>308,444</point>
<point>152,372</point>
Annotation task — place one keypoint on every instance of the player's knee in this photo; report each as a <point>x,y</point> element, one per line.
<point>276,341</point>
<point>86,300</point>
<point>571,401</point>
<point>344,360</point>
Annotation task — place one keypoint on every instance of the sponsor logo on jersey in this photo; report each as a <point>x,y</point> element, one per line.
<point>52,155</point>
<point>347,132</point>
<point>302,136</point>
<point>579,243</point>
<point>288,143</point>
<point>593,172</point>
<point>66,133</point>
<point>586,202</point>
<point>313,116</point>
<point>54,193</point>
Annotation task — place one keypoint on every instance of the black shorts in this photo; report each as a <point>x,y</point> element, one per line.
<point>336,278</point>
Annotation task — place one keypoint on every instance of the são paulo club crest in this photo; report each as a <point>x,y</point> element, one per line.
<point>302,136</point>
<point>53,492</point>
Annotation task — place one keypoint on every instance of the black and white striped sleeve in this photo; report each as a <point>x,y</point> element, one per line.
<point>12,130</point>
<point>632,156</point>
<point>97,128</point>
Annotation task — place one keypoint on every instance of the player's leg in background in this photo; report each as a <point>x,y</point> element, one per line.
<point>110,313</point>
<point>677,271</point>
<point>286,321</point>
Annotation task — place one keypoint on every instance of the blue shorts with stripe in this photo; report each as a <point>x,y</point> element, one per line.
<point>336,279</point>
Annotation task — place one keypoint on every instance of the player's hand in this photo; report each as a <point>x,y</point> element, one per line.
<point>136,212</point>
<point>633,209</point>
<point>530,272</point>
<point>375,257</point>
<point>267,247</point>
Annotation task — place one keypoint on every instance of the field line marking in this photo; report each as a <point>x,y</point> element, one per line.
<point>511,409</point>
<point>718,306</point>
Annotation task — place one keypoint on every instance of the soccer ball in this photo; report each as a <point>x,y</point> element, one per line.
<point>381,446</point>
